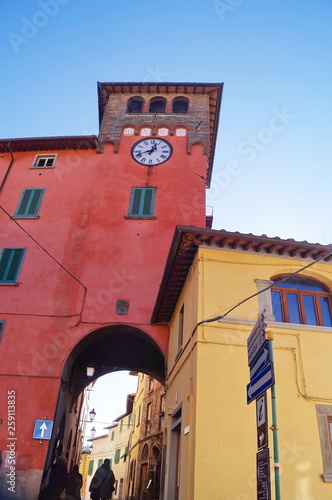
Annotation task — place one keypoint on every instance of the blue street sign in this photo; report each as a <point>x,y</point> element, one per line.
<point>257,338</point>
<point>262,358</point>
<point>43,429</point>
<point>260,383</point>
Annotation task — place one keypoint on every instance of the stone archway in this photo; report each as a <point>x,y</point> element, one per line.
<point>108,349</point>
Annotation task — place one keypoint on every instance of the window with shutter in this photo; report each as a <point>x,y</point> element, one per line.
<point>142,203</point>
<point>10,263</point>
<point>90,470</point>
<point>117,456</point>
<point>30,202</point>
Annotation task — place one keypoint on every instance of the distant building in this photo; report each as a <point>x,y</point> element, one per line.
<point>122,436</point>
<point>114,446</point>
<point>83,469</point>
<point>146,444</point>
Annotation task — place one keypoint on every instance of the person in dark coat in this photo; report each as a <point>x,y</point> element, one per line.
<point>74,484</point>
<point>56,479</point>
<point>102,483</point>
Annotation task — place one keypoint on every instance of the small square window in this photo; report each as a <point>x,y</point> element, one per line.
<point>10,264</point>
<point>44,161</point>
<point>142,203</point>
<point>29,203</point>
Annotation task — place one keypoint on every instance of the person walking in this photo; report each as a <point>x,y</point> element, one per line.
<point>74,484</point>
<point>56,479</point>
<point>102,483</point>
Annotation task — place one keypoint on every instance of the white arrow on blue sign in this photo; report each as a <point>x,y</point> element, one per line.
<point>263,380</point>
<point>262,358</point>
<point>43,429</point>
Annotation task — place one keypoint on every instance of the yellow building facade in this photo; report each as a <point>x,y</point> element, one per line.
<point>133,457</point>
<point>83,469</point>
<point>214,288</point>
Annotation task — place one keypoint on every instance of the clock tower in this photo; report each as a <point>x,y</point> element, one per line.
<point>179,114</point>
<point>157,144</point>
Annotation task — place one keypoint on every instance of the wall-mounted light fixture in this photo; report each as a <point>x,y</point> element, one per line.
<point>90,371</point>
<point>92,415</point>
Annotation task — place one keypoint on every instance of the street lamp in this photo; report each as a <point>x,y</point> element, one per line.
<point>92,434</point>
<point>92,415</point>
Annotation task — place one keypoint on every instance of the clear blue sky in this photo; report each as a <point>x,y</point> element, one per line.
<point>272,171</point>
<point>271,175</point>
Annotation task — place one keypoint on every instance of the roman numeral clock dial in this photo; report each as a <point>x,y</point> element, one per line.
<point>151,152</point>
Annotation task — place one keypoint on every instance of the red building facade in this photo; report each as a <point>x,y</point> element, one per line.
<point>86,225</point>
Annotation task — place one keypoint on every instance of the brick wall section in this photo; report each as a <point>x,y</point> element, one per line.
<point>155,436</point>
<point>196,120</point>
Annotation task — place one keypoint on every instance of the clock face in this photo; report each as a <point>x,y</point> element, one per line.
<point>151,151</point>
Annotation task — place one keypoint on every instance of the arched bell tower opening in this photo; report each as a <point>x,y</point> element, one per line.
<point>108,349</point>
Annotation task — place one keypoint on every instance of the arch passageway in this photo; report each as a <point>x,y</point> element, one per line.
<point>107,349</point>
<point>113,348</point>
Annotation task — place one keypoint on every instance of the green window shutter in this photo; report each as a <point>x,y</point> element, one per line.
<point>147,203</point>
<point>10,262</point>
<point>30,202</point>
<point>117,456</point>
<point>136,201</point>
<point>90,470</point>
<point>100,461</point>
<point>142,202</point>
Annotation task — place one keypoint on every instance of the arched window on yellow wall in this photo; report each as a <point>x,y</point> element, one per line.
<point>301,300</point>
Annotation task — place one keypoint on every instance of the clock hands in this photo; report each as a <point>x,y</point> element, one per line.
<point>154,147</point>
